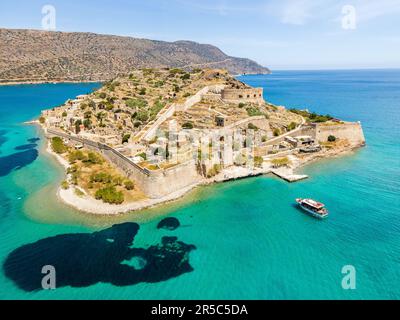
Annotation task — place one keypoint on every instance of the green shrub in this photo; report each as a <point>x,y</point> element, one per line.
<point>142,91</point>
<point>241,105</point>
<point>118,180</point>
<point>129,185</point>
<point>65,185</point>
<point>156,108</point>
<point>312,116</point>
<point>143,155</point>
<point>251,126</point>
<point>94,158</point>
<point>142,116</point>
<point>136,103</point>
<point>76,155</point>
<point>253,111</point>
<point>101,178</point>
<point>186,76</point>
<point>125,138</point>
<point>187,125</point>
<point>280,162</point>
<point>277,132</point>
<point>292,126</point>
<point>159,84</point>
<point>110,195</point>
<point>58,145</point>
<point>176,71</point>
<point>331,138</point>
<point>87,123</point>
<point>258,161</point>
<point>42,120</point>
<point>79,193</point>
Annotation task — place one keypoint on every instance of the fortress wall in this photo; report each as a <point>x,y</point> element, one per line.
<point>309,130</point>
<point>174,179</point>
<point>155,184</point>
<point>254,95</point>
<point>352,131</point>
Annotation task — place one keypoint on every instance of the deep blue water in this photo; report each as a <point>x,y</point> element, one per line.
<point>243,240</point>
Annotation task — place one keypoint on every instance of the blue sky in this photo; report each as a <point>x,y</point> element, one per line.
<point>281,34</point>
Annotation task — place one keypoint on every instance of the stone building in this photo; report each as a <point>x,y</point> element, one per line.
<point>252,95</point>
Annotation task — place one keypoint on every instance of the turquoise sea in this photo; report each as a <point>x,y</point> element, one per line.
<point>238,240</point>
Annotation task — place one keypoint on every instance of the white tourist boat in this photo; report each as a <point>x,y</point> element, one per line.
<point>314,208</point>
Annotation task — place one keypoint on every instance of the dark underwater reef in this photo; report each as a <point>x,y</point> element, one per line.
<point>84,259</point>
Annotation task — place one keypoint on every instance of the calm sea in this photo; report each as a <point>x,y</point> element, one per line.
<point>239,240</point>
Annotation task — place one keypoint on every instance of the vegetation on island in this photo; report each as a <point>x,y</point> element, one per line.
<point>280,162</point>
<point>58,145</point>
<point>331,138</point>
<point>312,116</point>
<point>90,172</point>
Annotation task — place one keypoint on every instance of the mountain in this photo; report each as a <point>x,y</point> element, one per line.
<point>35,56</point>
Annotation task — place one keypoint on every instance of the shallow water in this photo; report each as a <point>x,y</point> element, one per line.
<point>250,241</point>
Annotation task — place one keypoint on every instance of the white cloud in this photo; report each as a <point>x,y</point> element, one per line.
<point>296,12</point>
<point>371,9</point>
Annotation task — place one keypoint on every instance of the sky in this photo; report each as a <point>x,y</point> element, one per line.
<point>279,34</point>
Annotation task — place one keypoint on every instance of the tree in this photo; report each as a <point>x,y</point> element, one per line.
<point>100,116</point>
<point>87,123</point>
<point>280,162</point>
<point>142,116</point>
<point>277,132</point>
<point>65,185</point>
<point>110,195</point>
<point>251,126</point>
<point>58,145</point>
<point>94,158</point>
<point>292,126</point>
<point>187,125</point>
<point>331,138</point>
<point>78,124</point>
<point>42,120</point>
<point>125,138</point>
<point>129,185</point>
<point>258,161</point>
<point>186,76</point>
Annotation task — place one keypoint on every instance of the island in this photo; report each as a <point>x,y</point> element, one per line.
<point>152,136</point>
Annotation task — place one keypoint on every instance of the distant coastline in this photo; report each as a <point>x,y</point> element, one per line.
<point>30,82</point>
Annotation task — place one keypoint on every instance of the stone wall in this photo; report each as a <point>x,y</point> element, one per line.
<point>253,95</point>
<point>352,131</point>
<point>155,184</point>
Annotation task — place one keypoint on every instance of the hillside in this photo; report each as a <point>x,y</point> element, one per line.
<point>30,55</point>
